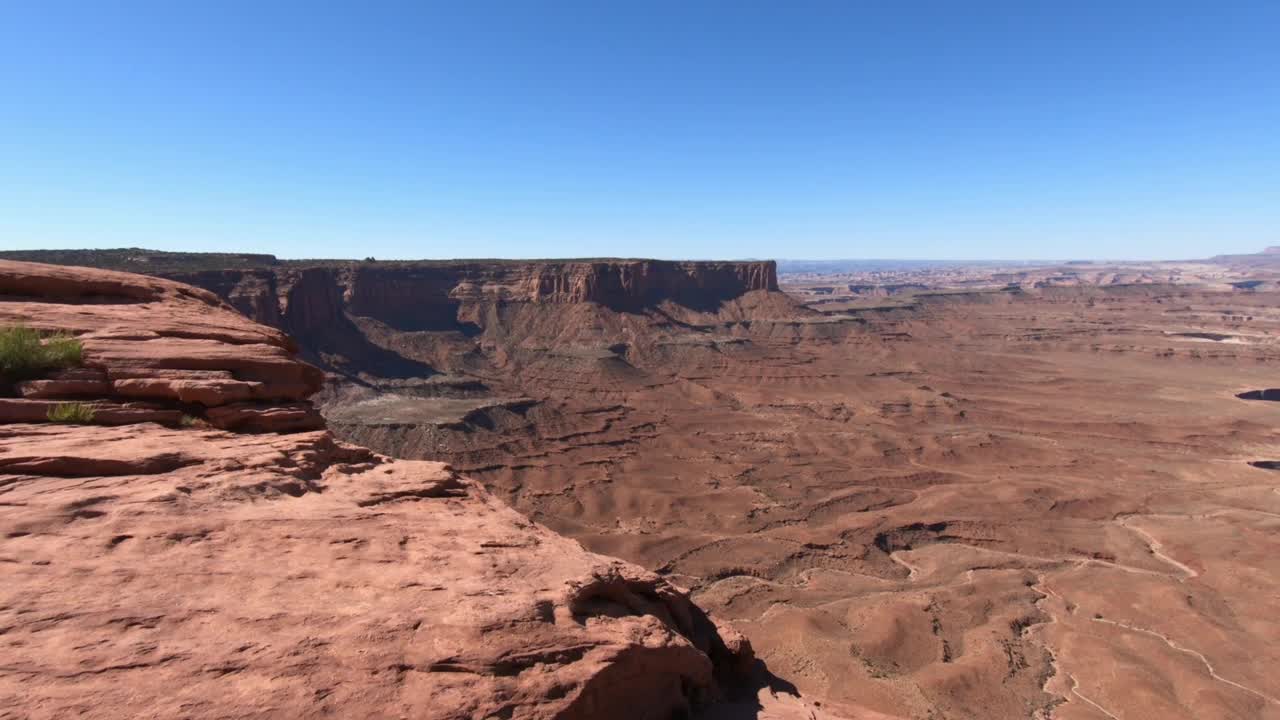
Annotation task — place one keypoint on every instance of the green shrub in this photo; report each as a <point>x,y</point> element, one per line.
<point>26,353</point>
<point>72,412</point>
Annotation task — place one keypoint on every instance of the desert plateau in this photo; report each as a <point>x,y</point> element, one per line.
<point>616,488</point>
<point>639,361</point>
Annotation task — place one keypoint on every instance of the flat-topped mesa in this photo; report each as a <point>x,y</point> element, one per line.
<point>316,302</point>
<point>345,314</point>
<point>152,350</point>
<point>311,296</point>
<point>608,282</point>
<point>633,283</point>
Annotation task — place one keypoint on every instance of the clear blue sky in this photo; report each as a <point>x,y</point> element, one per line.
<point>1018,129</point>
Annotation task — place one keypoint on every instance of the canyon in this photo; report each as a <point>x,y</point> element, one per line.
<point>960,492</point>
<point>197,545</point>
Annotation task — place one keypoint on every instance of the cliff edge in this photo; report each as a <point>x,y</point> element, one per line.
<point>485,321</point>
<point>198,546</point>
<point>428,295</point>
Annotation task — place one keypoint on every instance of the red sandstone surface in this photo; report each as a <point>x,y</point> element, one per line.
<point>188,571</point>
<point>955,495</point>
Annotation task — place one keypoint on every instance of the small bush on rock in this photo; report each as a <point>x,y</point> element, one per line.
<point>25,352</point>
<point>73,413</point>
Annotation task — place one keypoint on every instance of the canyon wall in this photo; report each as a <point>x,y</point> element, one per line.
<point>427,295</point>
<point>195,544</point>
<point>372,321</point>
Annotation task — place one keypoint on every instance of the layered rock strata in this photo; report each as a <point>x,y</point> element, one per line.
<point>190,571</point>
<point>428,295</point>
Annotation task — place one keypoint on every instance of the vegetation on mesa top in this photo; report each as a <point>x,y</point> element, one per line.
<point>26,353</point>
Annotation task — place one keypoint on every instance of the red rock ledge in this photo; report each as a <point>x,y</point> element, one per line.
<point>194,572</point>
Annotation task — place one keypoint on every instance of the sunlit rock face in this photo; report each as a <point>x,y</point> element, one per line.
<point>197,546</point>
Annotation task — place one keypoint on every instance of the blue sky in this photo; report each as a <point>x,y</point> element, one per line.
<point>668,129</point>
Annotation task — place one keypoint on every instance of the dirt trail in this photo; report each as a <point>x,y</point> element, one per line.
<point>1208,666</point>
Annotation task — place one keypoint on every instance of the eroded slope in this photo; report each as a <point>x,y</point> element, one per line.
<point>191,571</point>
<point>992,505</point>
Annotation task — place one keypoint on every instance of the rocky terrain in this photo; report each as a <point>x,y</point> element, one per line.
<point>957,495</point>
<point>200,547</point>
<point>839,284</point>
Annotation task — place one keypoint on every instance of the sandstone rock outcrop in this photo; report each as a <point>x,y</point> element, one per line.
<point>150,339</point>
<point>191,571</point>
<point>200,573</point>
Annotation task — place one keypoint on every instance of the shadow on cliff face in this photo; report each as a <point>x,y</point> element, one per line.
<point>343,349</point>
<point>315,316</point>
<point>741,680</point>
<point>742,700</point>
<point>433,317</point>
